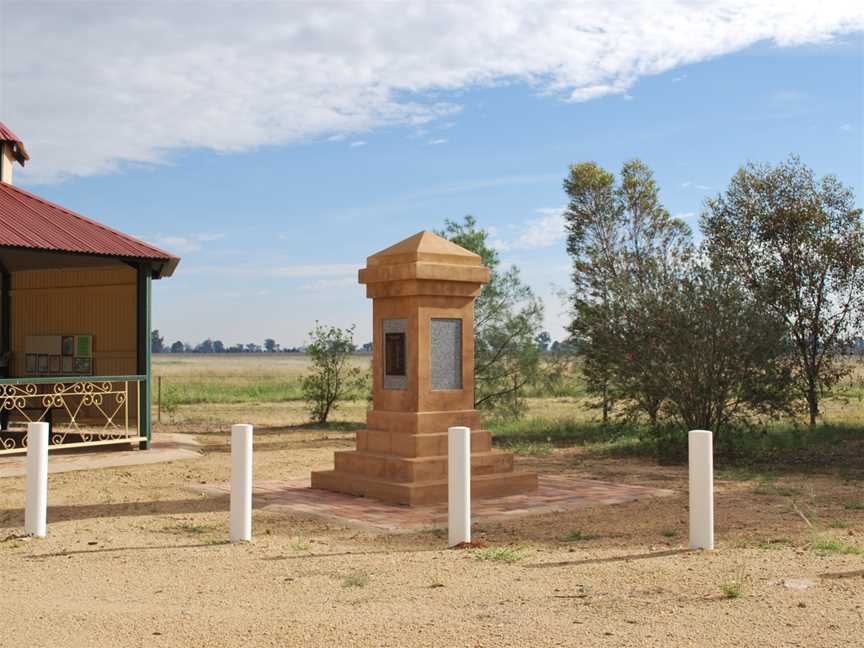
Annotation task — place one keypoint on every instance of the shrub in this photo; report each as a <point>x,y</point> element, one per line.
<point>332,378</point>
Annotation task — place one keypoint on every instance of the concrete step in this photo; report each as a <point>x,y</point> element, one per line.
<point>416,445</point>
<point>422,493</point>
<point>415,469</point>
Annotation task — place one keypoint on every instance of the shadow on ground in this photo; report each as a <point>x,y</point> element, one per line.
<point>12,518</point>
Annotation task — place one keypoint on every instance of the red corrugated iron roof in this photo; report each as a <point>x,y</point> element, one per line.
<point>6,135</point>
<point>28,221</point>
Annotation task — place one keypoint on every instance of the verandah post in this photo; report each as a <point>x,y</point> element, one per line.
<point>144,364</point>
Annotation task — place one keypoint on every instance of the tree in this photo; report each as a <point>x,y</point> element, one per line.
<point>624,246</point>
<point>543,341</point>
<point>724,358</point>
<point>205,347</point>
<point>797,243</point>
<point>333,378</point>
<point>178,347</point>
<point>157,342</point>
<point>218,346</point>
<point>507,320</point>
<point>270,345</point>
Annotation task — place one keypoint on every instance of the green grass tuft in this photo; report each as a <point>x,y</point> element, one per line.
<point>529,448</point>
<point>499,554</point>
<point>190,528</point>
<point>356,580</point>
<point>775,543</point>
<point>732,590</point>
<point>734,587</point>
<point>829,545</point>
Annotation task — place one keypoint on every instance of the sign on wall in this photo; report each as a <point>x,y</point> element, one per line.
<point>446,351</point>
<point>58,355</point>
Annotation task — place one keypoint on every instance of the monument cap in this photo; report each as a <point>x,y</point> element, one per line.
<point>424,256</point>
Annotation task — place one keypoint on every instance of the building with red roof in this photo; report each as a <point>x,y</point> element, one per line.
<point>74,320</point>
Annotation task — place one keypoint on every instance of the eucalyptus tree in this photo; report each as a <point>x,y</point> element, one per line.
<point>624,246</point>
<point>797,244</point>
<point>723,357</point>
<point>507,320</point>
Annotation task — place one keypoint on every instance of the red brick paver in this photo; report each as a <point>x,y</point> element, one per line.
<point>555,493</point>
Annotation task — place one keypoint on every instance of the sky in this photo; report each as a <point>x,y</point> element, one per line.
<point>274,146</point>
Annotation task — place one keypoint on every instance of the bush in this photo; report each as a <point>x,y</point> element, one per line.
<point>332,378</point>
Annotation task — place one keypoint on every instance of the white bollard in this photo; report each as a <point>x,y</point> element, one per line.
<point>241,483</point>
<point>700,450</point>
<point>458,485</point>
<point>36,510</point>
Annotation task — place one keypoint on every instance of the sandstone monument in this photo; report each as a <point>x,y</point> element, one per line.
<point>423,291</point>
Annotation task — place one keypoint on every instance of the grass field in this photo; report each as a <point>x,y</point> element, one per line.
<point>192,379</point>
<point>206,389</point>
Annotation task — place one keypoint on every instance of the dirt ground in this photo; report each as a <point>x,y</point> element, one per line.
<point>137,557</point>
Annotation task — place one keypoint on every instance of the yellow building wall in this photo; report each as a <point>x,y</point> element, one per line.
<point>94,301</point>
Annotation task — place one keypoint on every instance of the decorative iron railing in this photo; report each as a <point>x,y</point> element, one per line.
<point>82,411</point>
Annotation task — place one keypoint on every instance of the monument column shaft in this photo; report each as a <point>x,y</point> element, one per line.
<point>419,312</point>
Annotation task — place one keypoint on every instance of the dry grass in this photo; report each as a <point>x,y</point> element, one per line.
<point>201,366</point>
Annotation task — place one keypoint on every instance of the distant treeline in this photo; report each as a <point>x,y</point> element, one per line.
<point>544,343</point>
<point>158,345</point>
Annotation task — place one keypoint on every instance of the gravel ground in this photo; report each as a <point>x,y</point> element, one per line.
<point>135,557</point>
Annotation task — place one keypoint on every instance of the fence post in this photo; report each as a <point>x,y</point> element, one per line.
<point>458,485</point>
<point>701,459</point>
<point>241,483</point>
<point>36,510</point>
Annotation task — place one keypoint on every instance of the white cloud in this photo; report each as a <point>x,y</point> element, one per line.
<point>93,86</point>
<point>357,144</point>
<point>542,231</point>
<point>679,78</point>
<point>184,244</point>
<point>440,140</point>
<point>846,127</point>
<point>689,184</point>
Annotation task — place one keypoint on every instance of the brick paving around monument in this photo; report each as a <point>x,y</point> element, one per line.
<point>555,493</point>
